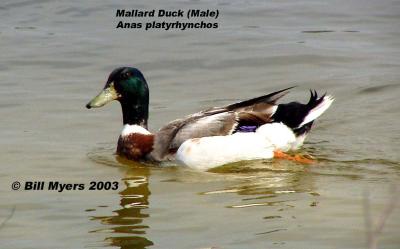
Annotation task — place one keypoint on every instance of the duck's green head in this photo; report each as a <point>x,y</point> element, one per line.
<point>129,87</point>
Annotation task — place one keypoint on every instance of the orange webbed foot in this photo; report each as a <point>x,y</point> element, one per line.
<point>297,158</point>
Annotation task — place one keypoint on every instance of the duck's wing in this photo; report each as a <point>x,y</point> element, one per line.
<point>216,121</point>
<point>171,136</point>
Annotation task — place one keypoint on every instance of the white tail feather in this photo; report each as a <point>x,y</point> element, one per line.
<point>318,110</point>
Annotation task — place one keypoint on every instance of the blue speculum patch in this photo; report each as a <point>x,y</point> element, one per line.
<point>247,128</point>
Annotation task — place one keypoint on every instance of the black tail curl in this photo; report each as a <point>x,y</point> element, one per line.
<point>293,114</point>
<point>314,99</point>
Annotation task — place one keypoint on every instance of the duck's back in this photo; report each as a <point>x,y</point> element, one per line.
<point>216,121</point>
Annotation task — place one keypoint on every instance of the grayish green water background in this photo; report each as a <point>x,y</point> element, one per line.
<point>56,55</point>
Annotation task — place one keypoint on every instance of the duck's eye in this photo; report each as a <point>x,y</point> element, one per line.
<point>126,75</point>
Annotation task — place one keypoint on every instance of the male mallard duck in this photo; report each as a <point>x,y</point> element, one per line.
<point>252,129</point>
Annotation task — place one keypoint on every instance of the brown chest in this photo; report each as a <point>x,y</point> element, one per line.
<point>135,146</point>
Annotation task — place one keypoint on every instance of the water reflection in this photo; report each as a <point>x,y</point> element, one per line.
<point>272,188</point>
<point>270,173</point>
<point>273,184</point>
<point>130,219</point>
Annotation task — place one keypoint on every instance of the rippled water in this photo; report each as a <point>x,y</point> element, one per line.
<point>56,55</point>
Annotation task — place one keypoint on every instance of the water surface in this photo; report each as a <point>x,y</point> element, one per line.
<point>55,56</point>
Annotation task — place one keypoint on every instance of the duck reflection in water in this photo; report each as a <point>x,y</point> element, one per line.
<point>266,183</point>
<point>257,183</point>
<point>130,219</point>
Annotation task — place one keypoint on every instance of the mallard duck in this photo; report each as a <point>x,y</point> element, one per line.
<point>257,128</point>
